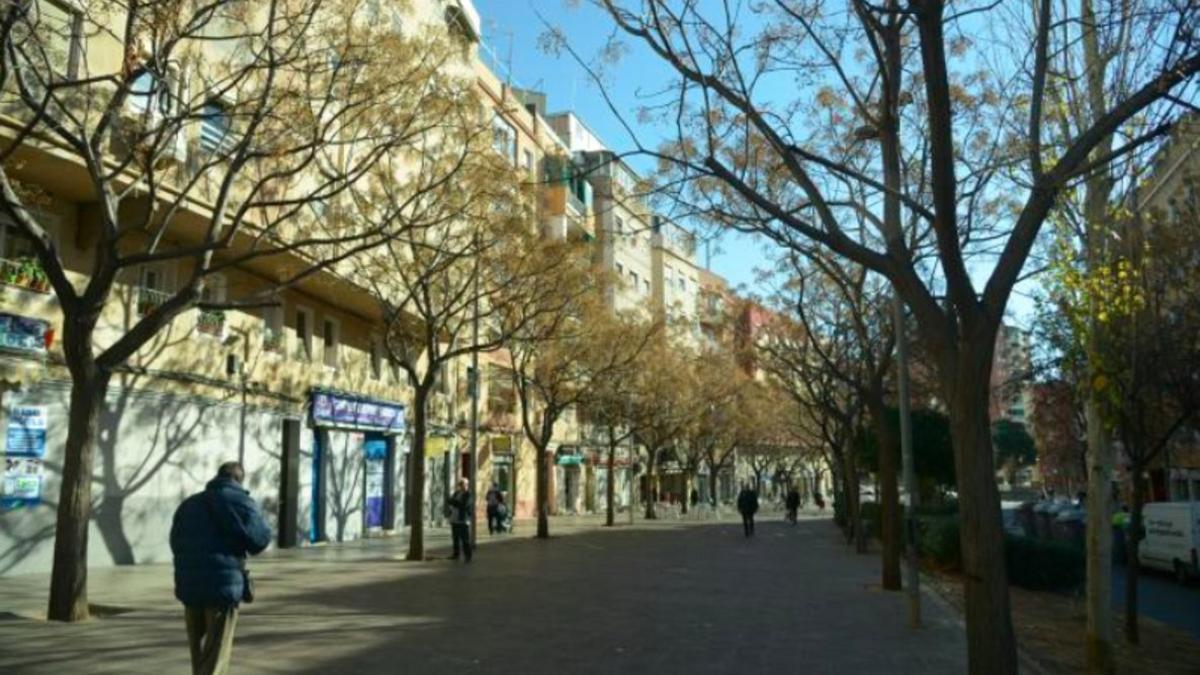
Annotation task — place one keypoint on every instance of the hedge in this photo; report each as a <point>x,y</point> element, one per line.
<point>1035,564</point>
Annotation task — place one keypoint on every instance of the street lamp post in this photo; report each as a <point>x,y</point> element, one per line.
<point>906,454</point>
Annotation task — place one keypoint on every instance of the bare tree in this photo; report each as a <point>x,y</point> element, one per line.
<point>608,407</point>
<point>748,156</point>
<point>557,361</point>
<point>207,137</point>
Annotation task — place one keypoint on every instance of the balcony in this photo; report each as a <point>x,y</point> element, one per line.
<point>148,299</point>
<point>25,273</point>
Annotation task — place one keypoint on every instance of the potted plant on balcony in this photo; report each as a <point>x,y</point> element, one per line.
<point>38,280</point>
<point>27,268</point>
<point>211,321</point>
<point>10,272</point>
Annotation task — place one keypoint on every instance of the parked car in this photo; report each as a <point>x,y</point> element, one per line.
<point>1172,538</point>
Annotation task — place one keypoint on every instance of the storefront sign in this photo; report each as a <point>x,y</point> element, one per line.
<point>343,411</point>
<point>26,435</point>
<point>22,482</point>
<point>23,333</point>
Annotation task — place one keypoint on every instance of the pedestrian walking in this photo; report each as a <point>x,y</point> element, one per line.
<point>747,503</point>
<point>792,502</point>
<point>494,499</point>
<point>458,507</point>
<point>212,533</point>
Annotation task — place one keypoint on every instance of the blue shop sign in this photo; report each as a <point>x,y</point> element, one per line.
<point>23,333</point>
<point>336,410</point>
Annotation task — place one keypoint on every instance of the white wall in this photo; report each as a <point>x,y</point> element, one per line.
<point>153,451</point>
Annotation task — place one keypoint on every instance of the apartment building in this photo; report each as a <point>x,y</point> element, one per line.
<point>677,281</point>
<point>1011,376</point>
<point>1172,190</point>
<point>301,391</point>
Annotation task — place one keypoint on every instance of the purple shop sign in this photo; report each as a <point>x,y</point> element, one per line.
<point>333,410</point>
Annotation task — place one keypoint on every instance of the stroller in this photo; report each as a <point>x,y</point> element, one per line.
<point>503,521</point>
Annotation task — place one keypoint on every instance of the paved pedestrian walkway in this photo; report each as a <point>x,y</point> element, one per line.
<point>674,597</point>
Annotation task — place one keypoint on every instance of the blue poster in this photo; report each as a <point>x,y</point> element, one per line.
<point>26,435</point>
<point>374,492</point>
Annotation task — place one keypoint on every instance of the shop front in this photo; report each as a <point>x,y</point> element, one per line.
<point>569,463</point>
<point>355,485</point>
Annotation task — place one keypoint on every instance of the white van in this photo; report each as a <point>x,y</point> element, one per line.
<point>1172,538</point>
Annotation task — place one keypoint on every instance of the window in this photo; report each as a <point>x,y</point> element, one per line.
<point>442,382</point>
<point>618,225</point>
<point>646,286</point>
<point>303,328</point>
<point>153,98</point>
<point>153,287</point>
<point>504,138</point>
<point>376,359</point>
<point>214,127</point>
<point>634,275</point>
<point>14,243</point>
<point>620,269</point>
<point>59,31</point>
<point>273,328</point>
<point>330,336</point>
<point>212,321</point>
<point>529,162</point>
<point>682,284</point>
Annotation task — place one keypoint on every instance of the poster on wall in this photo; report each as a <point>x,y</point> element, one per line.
<point>22,482</point>
<point>26,433</point>
<point>375,454</point>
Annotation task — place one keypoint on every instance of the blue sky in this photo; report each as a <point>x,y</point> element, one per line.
<point>511,29</point>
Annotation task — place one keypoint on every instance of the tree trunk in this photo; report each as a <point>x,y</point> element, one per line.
<point>416,492</point>
<point>651,487</point>
<point>68,580</point>
<point>1132,561</point>
<point>611,489</point>
<point>543,475</point>
<point>687,491</point>
<point>712,486</point>
<point>991,644</point>
<point>889,495</point>
<point>854,504</point>
<point>1099,543</point>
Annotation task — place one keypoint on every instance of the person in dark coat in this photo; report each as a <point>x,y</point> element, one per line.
<point>211,535</point>
<point>494,499</point>
<point>458,506</point>
<point>792,502</point>
<point>747,503</point>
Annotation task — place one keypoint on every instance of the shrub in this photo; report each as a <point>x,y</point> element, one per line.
<point>870,512</point>
<point>1043,565</point>
<point>937,539</point>
<point>1035,564</point>
<point>948,507</point>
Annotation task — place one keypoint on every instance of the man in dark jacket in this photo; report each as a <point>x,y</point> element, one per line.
<point>211,535</point>
<point>459,508</point>
<point>793,504</point>
<point>747,503</point>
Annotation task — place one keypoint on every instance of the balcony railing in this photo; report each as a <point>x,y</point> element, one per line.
<point>149,298</point>
<point>24,273</point>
